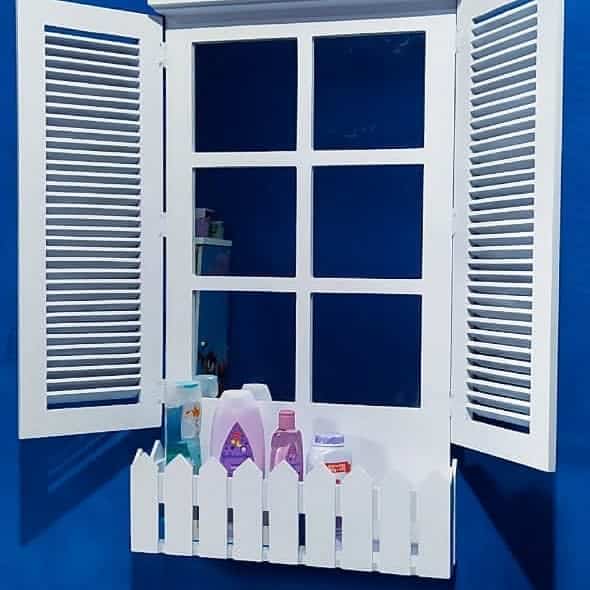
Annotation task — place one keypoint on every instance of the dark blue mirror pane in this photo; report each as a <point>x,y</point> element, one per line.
<point>246,96</point>
<point>368,221</point>
<point>245,221</point>
<point>247,338</point>
<point>367,349</point>
<point>369,91</point>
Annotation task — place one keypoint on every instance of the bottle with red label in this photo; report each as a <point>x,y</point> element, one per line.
<point>329,449</point>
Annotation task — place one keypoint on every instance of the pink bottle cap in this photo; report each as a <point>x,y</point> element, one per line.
<point>286,420</point>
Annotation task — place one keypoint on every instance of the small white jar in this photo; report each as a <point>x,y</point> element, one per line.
<point>329,449</point>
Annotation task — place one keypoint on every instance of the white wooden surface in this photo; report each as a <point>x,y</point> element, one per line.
<point>283,508</point>
<point>35,420</point>
<point>213,505</point>
<point>391,430</point>
<point>178,501</point>
<point>379,437</point>
<point>523,343</point>
<point>163,5</point>
<point>357,521</point>
<point>247,506</point>
<point>395,525</point>
<point>234,12</point>
<point>319,504</point>
<point>144,504</point>
<point>381,521</point>
<point>433,516</point>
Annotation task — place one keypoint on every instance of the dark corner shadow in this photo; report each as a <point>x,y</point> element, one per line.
<point>183,571</point>
<point>521,504</point>
<point>58,474</point>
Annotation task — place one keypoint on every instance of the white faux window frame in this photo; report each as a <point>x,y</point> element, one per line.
<point>490,245</point>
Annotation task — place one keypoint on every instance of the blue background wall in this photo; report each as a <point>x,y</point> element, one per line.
<point>64,521</point>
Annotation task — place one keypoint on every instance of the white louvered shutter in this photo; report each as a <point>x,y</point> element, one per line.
<point>506,246</point>
<point>90,193</point>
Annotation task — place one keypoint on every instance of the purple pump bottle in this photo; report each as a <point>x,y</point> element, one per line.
<point>287,443</point>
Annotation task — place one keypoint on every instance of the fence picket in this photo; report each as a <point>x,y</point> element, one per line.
<point>283,494</point>
<point>178,507</point>
<point>212,497</point>
<point>357,521</point>
<point>395,525</point>
<point>144,504</point>
<point>320,517</point>
<point>247,506</point>
<point>434,527</point>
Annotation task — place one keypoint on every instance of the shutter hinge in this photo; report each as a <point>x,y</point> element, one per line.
<point>163,225</point>
<point>163,58</point>
<point>161,392</point>
<point>453,223</point>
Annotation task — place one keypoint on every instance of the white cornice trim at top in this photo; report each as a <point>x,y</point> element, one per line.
<point>192,13</point>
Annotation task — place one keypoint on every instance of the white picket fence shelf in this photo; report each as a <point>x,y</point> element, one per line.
<point>356,525</point>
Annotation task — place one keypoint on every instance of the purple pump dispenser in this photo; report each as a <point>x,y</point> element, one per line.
<point>287,443</point>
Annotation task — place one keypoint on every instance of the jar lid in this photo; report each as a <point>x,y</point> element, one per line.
<point>329,439</point>
<point>187,384</point>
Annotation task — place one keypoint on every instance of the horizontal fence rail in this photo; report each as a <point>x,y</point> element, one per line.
<point>356,525</point>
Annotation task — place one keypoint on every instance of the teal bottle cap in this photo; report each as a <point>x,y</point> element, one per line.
<point>187,384</point>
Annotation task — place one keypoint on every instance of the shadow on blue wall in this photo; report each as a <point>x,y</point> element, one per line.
<point>520,503</point>
<point>56,475</point>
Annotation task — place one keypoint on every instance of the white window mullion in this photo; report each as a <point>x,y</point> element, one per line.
<point>244,159</point>
<point>304,263</point>
<point>244,284</point>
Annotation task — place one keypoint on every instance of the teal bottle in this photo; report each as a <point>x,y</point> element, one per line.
<point>183,422</point>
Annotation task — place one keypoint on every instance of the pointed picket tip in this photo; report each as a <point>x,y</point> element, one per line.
<point>284,471</point>
<point>142,461</point>
<point>157,453</point>
<point>180,464</point>
<point>138,456</point>
<point>358,477</point>
<point>213,468</point>
<point>247,469</point>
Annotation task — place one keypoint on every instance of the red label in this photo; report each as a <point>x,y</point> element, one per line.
<point>339,467</point>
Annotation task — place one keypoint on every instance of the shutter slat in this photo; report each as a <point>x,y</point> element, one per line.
<point>89,55</point>
<point>79,41</point>
<point>56,63</point>
<point>500,415</point>
<point>105,359</point>
<point>491,362</point>
<point>501,403</point>
<point>79,156</point>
